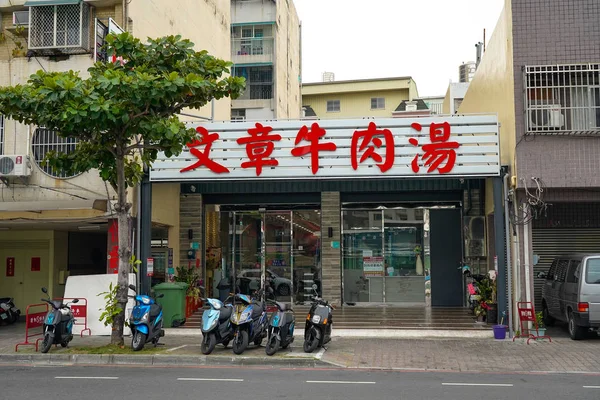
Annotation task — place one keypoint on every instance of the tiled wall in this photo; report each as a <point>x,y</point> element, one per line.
<point>555,32</point>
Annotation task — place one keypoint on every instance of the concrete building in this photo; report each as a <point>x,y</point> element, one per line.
<point>61,223</point>
<point>466,71</point>
<point>454,97</point>
<point>265,49</point>
<point>541,74</point>
<point>357,98</point>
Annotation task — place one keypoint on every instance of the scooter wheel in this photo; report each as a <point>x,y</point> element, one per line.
<point>208,343</point>
<point>272,346</point>
<point>64,344</point>
<point>138,341</point>
<point>46,343</point>
<point>311,342</point>
<point>240,343</point>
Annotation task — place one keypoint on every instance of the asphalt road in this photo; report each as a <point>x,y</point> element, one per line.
<point>121,382</point>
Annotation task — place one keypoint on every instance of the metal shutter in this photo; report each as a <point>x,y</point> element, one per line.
<point>549,243</point>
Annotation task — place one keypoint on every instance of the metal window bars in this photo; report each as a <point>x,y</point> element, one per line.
<point>562,99</point>
<point>60,28</point>
<point>46,140</point>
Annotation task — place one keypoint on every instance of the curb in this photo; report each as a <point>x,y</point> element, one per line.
<point>157,360</point>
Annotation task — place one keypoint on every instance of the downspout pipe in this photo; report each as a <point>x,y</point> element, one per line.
<point>508,257</point>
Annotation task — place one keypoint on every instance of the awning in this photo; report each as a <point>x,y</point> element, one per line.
<point>36,206</point>
<point>37,3</point>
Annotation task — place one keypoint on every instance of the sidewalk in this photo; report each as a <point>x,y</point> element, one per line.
<point>447,354</point>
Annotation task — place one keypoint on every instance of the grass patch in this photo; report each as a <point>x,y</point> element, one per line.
<point>114,349</point>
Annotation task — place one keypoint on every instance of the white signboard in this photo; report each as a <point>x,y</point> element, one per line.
<point>372,266</point>
<point>453,146</point>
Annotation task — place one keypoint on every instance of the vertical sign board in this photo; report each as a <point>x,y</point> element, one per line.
<point>113,247</point>
<point>150,266</point>
<point>10,266</point>
<point>36,264</point>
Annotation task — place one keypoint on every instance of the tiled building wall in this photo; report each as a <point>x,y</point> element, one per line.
<point>331,257</point>
<point>555,32</point>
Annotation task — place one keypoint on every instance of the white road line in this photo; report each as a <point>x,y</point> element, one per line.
<point>479,384</point>
<point>177,348</point>
<point>86,377</point>
<point>591,387</point>
<point>364,383</point>
<point>210,379</point>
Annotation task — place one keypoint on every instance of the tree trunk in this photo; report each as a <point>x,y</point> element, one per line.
<point>122,209</point>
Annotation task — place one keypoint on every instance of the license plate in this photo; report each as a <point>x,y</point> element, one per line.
<point>3,316</point>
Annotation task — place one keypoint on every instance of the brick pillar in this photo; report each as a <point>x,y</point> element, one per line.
<point>331,257</point>
<point>190,217</point>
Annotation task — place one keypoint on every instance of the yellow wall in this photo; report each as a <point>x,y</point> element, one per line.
<point>446,103</point>
<point>356,104</point>
<point>492,88</point>
<point>165,211</point>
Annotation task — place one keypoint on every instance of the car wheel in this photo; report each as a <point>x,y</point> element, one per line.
<point>576,332</point>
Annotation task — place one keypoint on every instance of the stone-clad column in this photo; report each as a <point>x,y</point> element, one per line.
<point>331,257</point>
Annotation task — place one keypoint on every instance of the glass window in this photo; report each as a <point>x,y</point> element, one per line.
<point>377,103</point>
<point>561,270</point>
<point>592,271</point>
<point>573,274</point>
<point>333,106</point>
<point>552,270</point>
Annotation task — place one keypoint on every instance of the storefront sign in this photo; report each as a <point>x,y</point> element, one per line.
<point>10,266</point>
<point>150,266</point>
<point>391,147</point>
<point>36,264</point>
<point>372,267</point>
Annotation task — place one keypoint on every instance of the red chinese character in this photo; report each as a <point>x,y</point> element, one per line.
<point>370,140</point>
<point>206,140</point>
<point>313,135</point>
<point>259,147</point>
<point>440,150</point>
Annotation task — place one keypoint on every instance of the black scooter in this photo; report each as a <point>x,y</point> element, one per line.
<point>317,331</point>
<point>9,313</point>
<point>281,329</point>
<point>58,325</point>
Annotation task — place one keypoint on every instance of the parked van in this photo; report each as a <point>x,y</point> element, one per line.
<point>571,293</point>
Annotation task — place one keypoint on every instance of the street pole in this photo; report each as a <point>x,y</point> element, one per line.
<point>145,232</point>
<point>499,241</point>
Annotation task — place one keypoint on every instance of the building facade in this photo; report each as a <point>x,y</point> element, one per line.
<point>541,73</point>
<point>265,50</point>
<point>64,224</point>
<point>466,71</point>
<point>357,98</point>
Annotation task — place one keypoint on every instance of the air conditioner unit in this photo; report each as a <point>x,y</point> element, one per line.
<point>546,116</point>
<point>15,165</point>
<point>20,18</point>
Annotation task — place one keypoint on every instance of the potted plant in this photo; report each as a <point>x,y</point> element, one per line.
<point>539,318</point>
<point>189,276</point>
<point>480,312</point>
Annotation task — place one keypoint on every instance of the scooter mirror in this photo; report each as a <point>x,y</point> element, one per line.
<point>75,301</point>
<point>314,286</point>
<point>45,290</point>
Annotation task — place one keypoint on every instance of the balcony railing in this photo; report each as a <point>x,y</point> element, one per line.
<point>257,91</point>
<point>252,50</point>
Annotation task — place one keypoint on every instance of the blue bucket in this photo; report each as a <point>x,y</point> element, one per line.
<point>500,331</point>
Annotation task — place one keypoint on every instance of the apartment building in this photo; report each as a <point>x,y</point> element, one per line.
<point>52,224</point>
<point>265,49</point>
<point>541,74</point>
<point>358,98</point>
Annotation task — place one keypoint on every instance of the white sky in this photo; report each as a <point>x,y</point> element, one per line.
<point>425,39</point>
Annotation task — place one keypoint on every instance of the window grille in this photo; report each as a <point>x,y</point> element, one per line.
<point>562,99</point>
<point>65,28</point>
<point>333,106</point>
<point>46,140</point>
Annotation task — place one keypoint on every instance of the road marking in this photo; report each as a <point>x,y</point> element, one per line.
<point>364,383</point>
<point>210,379</point>
<point>591,387</point>
<point>479,384</point>
<point>177,348</point>
<point>86,377</point>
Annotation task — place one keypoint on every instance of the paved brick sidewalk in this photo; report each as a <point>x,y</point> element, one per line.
<point>562,355</point>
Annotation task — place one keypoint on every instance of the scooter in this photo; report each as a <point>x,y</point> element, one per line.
<point>249,320</point>
<point>58,324</point>
<point>9,313</point>
<point>317,331</point>
<point>281,329</point>
<point>216,327</point>
<point>146,321</point>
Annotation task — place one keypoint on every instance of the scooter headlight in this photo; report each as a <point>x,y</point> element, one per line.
<point>245,315</point>
<point>316,319</point>
<point>145,317</point>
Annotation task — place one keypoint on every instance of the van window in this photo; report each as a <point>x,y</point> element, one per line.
<point>573,274</point>
<point>592,271</point>
<point>561,270</point>
<point>552,270</point>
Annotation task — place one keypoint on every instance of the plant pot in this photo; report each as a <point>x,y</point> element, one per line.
<point>540,331</point>
<point>492,314</point>
<point>499,331</point>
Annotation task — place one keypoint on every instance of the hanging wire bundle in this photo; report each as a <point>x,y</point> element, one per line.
<point>534,205</point>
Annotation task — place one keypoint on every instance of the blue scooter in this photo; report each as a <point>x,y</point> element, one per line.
<point>146,321</point>
<point>281,329</point>
<point>216,327</point>
<point>249,320</point>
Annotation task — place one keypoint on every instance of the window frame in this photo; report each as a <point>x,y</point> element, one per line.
<point>333,103</point>
<point>377,101</point>
<point>587,266</point>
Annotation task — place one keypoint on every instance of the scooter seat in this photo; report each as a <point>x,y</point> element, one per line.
<point>225,313</point>
<point>155,310</point>
<point>282,306</point>
<point>257,310</point>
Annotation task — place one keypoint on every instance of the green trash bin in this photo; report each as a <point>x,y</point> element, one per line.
<point>173,302</point>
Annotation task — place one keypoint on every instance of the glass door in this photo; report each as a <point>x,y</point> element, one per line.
<point>247,251</point>
<point>278,258</point>
<point>306,253</point>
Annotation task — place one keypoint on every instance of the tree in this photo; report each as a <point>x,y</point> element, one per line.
<point>123,115</point>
